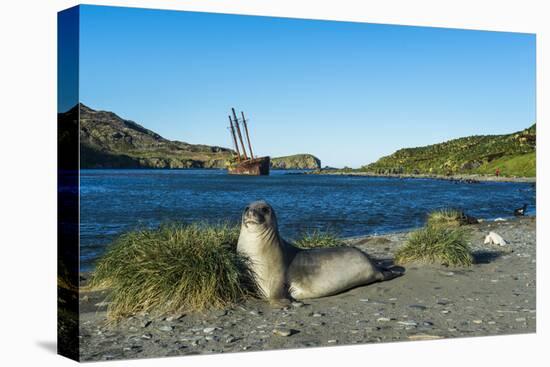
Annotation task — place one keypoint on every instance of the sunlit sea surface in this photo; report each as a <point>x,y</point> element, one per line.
<point>115,201</point>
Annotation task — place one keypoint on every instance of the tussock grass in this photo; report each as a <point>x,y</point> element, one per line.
<point>65,279</point>
<point>447,216</point>
<point>446,245</point>
<point>319,239</point>
<point>172,269</point>
<point>450,217</point>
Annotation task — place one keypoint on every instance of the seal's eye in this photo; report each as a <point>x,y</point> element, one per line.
<point>246,209</point>
<point>265,210</point>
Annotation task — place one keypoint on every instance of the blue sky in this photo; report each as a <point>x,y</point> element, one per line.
<point>348,93</point>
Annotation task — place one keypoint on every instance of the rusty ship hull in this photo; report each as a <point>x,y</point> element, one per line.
<point>258,166</point>
<point>245,162</point>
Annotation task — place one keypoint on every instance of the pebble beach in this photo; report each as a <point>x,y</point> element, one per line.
<point>495,296</point>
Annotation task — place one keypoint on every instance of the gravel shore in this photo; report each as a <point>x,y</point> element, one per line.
<point>495,296</point>
<point>469,178</point>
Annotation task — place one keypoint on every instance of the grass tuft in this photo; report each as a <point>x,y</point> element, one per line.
<point>446,245</point>
<point>319,239</point>
<point>447,217</point>
<point>174,268</point>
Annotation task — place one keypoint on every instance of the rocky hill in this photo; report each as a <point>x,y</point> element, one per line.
<point>109,141</point>
<point>297,161</point>
<point>513,154</point>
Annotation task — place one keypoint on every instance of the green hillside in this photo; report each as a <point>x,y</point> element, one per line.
<point>513,154</point>
<point>520,165</point>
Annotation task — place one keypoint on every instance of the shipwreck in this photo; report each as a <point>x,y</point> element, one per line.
<point>245,163</point>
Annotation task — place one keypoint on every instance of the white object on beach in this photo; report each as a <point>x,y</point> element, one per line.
<point>494,238</point>
<point>500,220</point>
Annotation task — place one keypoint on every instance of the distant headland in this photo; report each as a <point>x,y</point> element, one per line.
<point>109,141</point>
<point>507,155</point>
<point>478,157</point>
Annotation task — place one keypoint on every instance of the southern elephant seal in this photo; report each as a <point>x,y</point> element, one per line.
<point>284,271</point>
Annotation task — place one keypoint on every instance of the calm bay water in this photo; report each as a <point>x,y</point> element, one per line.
<point>115,201</point>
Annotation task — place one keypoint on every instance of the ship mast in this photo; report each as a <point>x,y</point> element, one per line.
<point>234,138</point>
<point>239,133</point>
<point>247,136</point>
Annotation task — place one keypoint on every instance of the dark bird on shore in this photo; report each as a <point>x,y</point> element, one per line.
<point>520,211</point>
<point>467,219</point>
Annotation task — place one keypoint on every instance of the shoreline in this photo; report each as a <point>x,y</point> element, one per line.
<point>467,178</point>
<point>495,296</point>
<point>396,232</point>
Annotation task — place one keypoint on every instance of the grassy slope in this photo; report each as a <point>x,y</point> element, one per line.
<point>519,165</point>
<point>513,154</point>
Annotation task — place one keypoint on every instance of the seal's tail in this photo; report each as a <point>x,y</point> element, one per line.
<point>392,272</point>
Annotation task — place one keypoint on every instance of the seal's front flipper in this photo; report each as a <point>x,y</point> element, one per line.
<point>393,272</point>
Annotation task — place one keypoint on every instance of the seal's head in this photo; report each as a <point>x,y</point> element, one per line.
<point>259,216</point>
